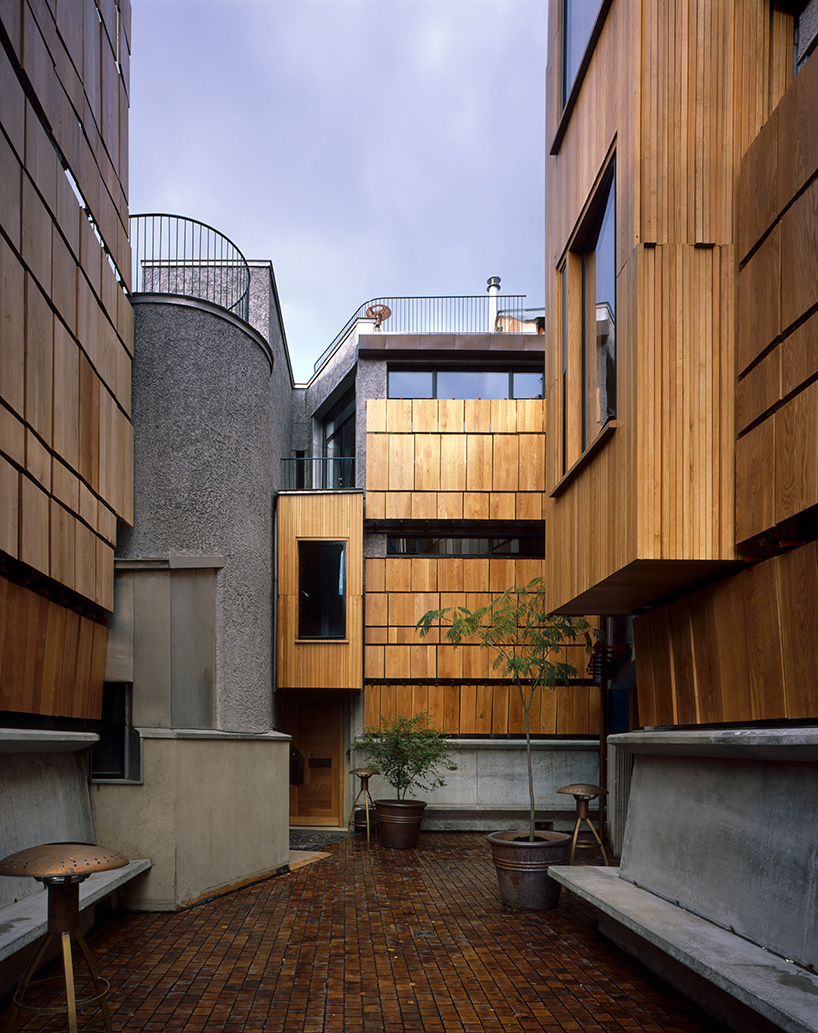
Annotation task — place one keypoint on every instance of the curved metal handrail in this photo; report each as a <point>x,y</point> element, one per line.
<point>176,255</point>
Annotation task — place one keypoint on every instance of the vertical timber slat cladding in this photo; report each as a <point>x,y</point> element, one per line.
<point>762,670</point>
<point>707,76</point>
<point>322,663</point>
<point>67,341</point>
<point>51,659</point>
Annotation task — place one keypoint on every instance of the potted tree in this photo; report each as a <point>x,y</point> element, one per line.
<point>409,754</point>
<point>528,643</point>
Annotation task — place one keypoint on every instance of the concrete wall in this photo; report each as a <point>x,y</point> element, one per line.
<point>212,813</point>
<point>743,850</point>
<point>203,481</point>
<point>44,797</point>
<point>489,791</point>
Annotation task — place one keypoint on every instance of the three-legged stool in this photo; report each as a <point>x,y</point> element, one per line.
<point>364,774</point>
<point>582,792</point>
<point>62,867</point>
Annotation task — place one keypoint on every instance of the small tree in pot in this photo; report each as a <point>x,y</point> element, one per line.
<point>528,643</point>
<point>409,753</point>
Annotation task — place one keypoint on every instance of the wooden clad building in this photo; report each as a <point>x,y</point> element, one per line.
<point>66,439</point>
<point>684,120</point>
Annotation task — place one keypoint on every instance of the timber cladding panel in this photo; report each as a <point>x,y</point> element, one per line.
<point>777,399</point>
<point>66,439</point>
<point>455,460</point>
<point>399,665</point>
<point>310,663</point>
<point>690,672</point>
<point>675,93</point>
<point>52,660</point>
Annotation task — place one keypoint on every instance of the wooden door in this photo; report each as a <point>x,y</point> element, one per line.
<point>316,754</point>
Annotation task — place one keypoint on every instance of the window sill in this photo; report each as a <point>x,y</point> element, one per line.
<point>321,641</point>
<point>596,445</point>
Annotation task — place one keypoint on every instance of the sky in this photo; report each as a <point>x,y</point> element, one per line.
<point>366,147</point>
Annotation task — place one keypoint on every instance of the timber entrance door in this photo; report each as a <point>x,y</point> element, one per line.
<point>316,753</point>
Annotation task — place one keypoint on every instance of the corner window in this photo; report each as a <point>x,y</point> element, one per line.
<point>321,589</point>
<point>588,333</point>
<point>578,18</point>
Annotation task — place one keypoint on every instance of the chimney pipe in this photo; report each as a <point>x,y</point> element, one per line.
<point>493,289</point>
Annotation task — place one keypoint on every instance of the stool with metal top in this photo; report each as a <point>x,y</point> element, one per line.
<point>582,792</point>
<point>62,867</point>
<point>364,774</point>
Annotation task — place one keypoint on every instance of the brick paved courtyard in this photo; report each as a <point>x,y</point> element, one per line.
<point>379,941</point>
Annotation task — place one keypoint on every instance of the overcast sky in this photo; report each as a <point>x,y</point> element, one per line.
<point>366,147</point>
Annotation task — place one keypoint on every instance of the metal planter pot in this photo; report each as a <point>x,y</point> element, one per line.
<point>399,822</point>
<point>522,867</point>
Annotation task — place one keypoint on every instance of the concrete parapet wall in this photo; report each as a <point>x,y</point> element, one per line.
<point>212,813</point>
<point>724,825</point>
<point>491,782</point>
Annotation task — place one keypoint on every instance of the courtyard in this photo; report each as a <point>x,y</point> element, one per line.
<point>369,940</point>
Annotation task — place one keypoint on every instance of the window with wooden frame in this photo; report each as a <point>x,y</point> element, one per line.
<point>587,288</point>
<point>321,589</point>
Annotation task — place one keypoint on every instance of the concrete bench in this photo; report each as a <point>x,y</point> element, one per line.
<point>27,920</point>
<point>783,993</point>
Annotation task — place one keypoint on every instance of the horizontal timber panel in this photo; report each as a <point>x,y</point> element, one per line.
<point>487,709</point>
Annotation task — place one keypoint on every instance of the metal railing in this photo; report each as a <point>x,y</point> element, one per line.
<point>176,255</point>
<point>455,314</point>
<point>327,473</point>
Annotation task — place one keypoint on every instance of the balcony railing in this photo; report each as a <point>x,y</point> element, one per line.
<point>445,315</point>
<point>176,255</point>
<point>325,473</point>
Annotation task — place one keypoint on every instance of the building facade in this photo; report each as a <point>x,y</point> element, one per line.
<point>680,320</point>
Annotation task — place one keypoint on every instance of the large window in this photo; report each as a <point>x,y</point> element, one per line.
<point>588,337</point>
<point>464,383</point>
<point>578,18</point>
<point>321,589</point>
<point>338,444</point>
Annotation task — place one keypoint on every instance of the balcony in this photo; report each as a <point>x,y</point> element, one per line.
<point>327,473</point>
<point>182,257</point>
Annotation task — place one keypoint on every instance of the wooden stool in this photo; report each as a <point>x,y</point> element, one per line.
<point>62,867</point>
<point>582,792</point>
<point>364,774</point>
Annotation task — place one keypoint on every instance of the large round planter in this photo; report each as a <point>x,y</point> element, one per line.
<point>399,822</point>
<point>522,867</point>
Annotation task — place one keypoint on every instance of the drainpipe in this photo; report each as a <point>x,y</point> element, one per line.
<point>493,289</point>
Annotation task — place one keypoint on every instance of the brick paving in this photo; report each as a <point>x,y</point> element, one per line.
<point>379,941</point>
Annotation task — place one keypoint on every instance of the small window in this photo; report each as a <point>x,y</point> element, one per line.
<point>411,384</point>
<point>578,18</point>
<point>463,545</point>
<point>528,385</point>
<point>117,754</point>
<point>321,589</point>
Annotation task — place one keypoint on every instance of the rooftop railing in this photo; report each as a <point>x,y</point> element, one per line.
<point>445,315</point>
<point>176,255</point>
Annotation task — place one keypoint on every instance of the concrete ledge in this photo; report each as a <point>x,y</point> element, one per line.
<point>35,740</point>
<point>483,819</point>
<point>787,744</point>
<point>27,920</point>
<point>783,993</point>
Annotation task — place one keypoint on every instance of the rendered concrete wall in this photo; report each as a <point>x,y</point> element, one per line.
<point>212,813</point>
<point>44,799</point>
<point>725,824</point>
<point>203,481</point>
